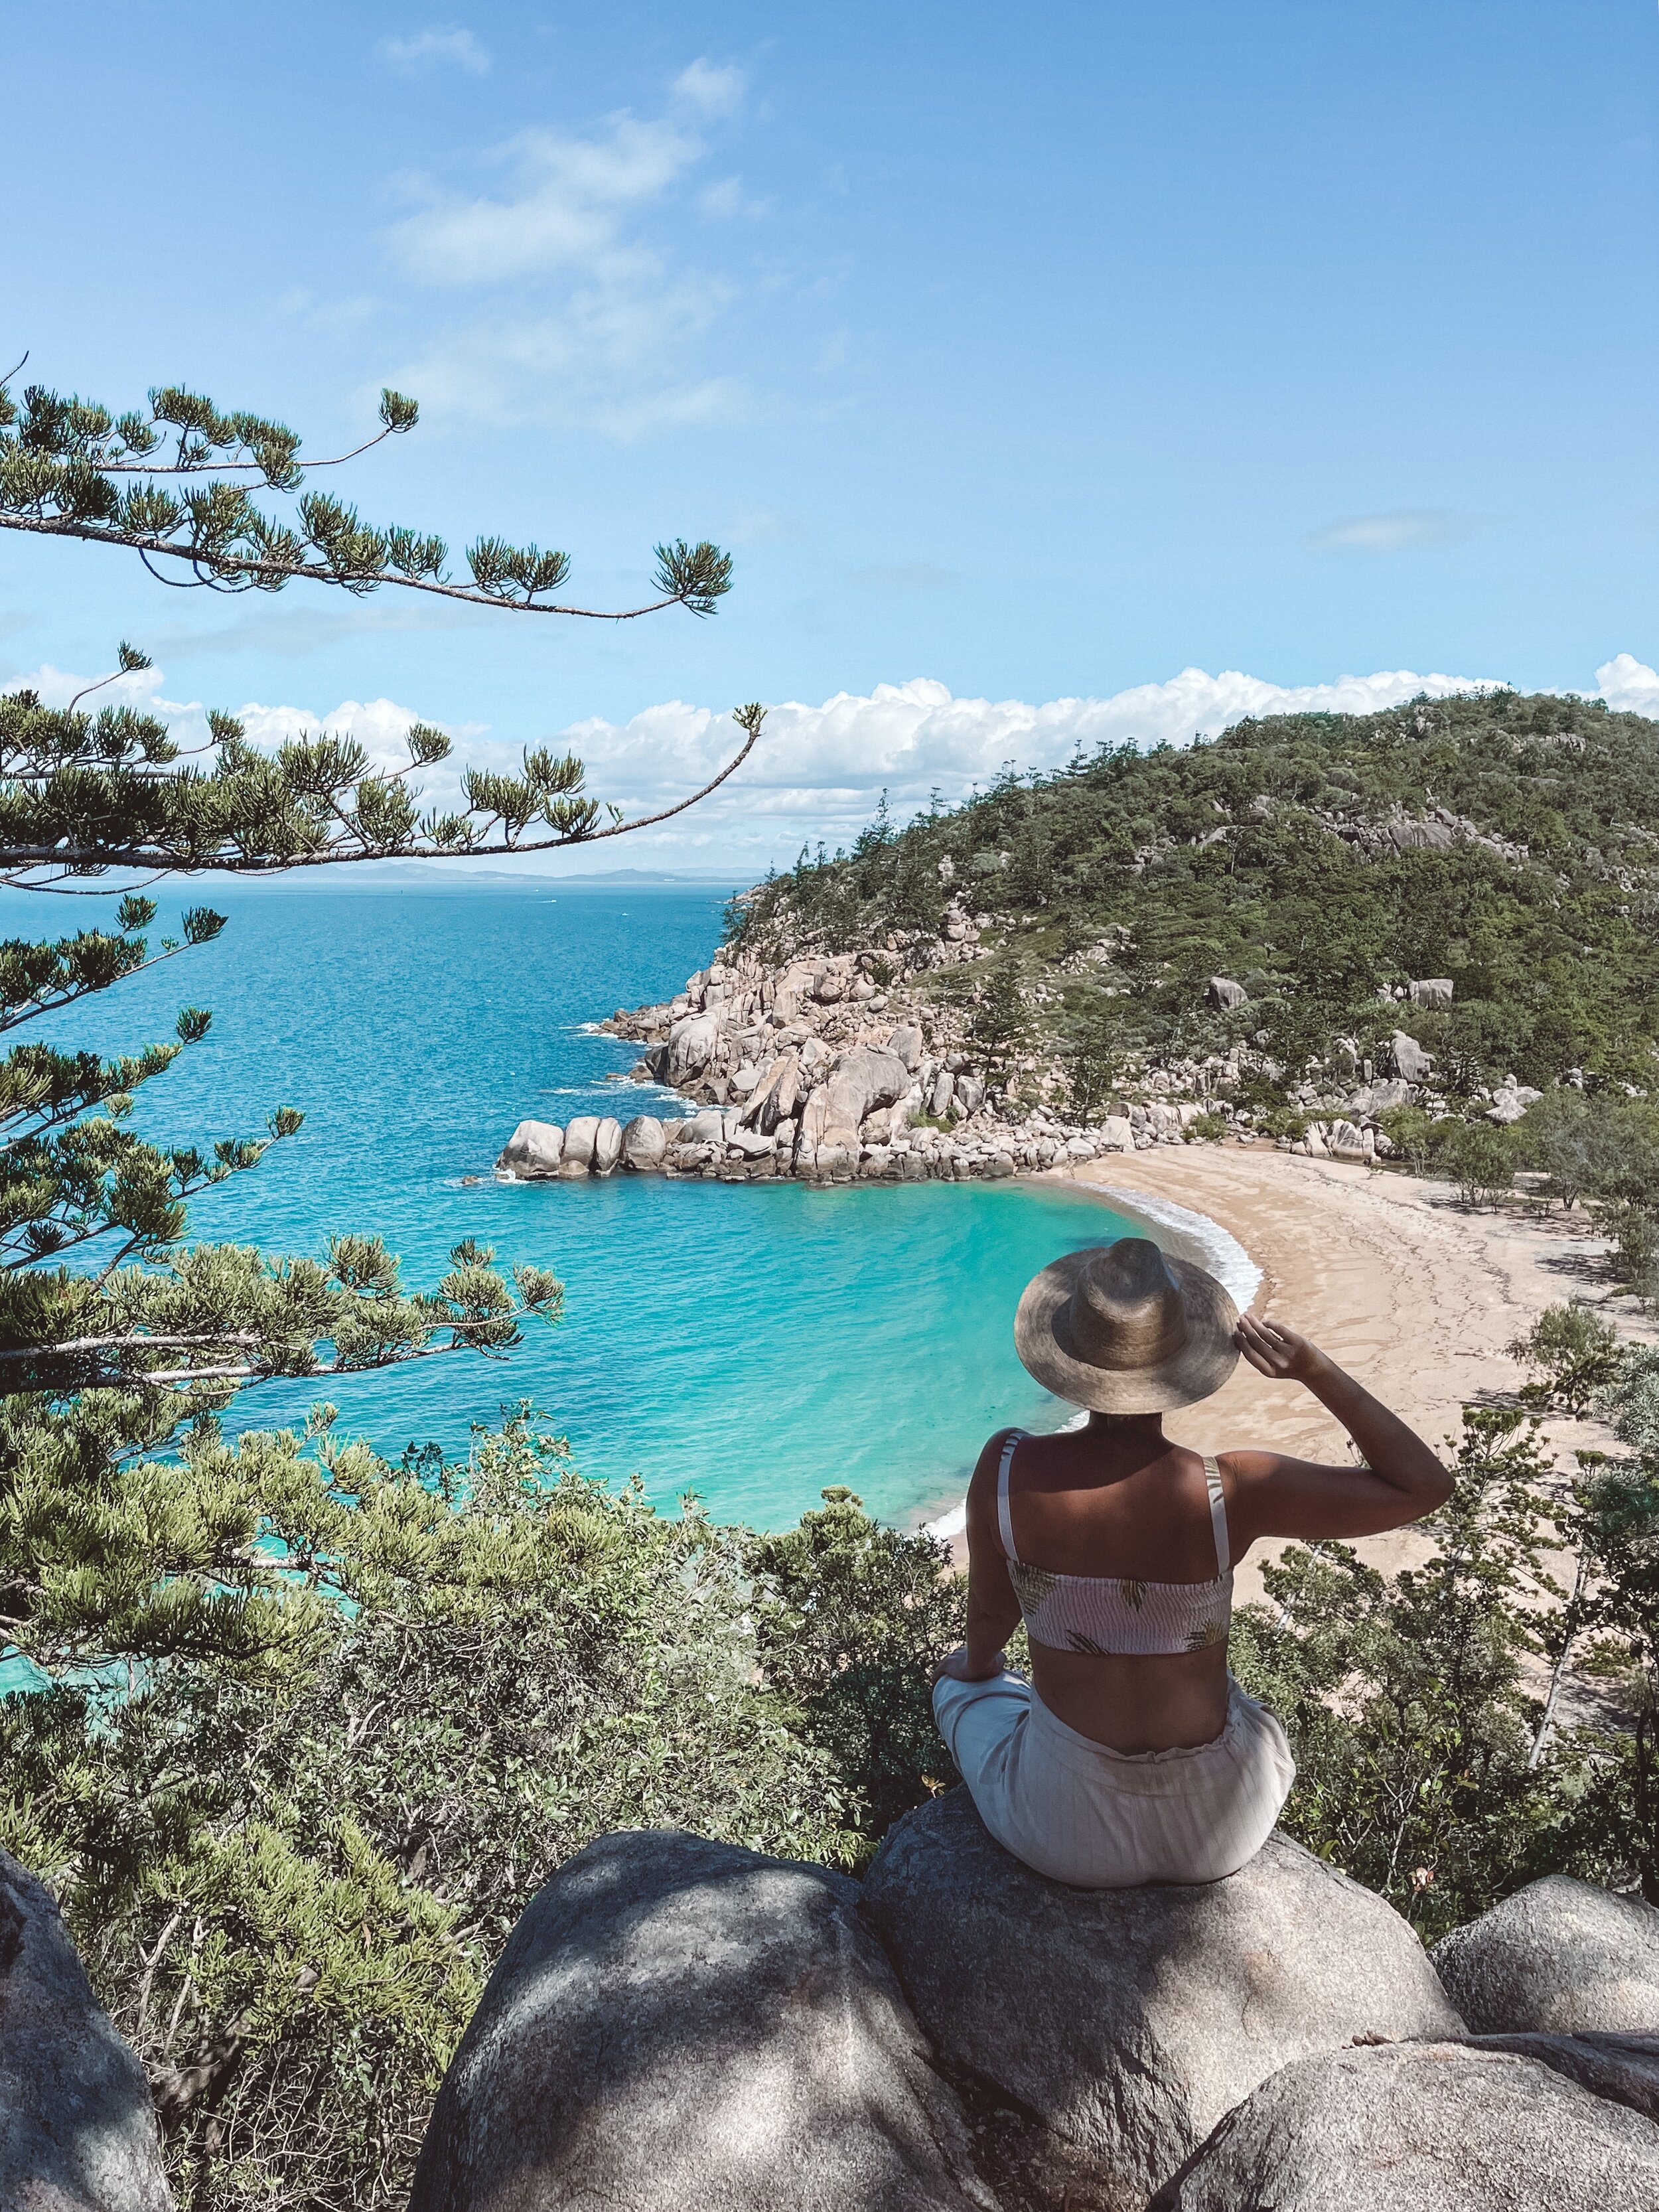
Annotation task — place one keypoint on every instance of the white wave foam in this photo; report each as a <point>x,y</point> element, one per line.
<point>1212,1246</point>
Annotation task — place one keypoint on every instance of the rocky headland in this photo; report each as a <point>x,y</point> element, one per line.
<point>856,1066</point>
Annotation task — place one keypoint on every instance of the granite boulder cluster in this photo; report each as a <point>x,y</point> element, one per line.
<point>677,2022</point>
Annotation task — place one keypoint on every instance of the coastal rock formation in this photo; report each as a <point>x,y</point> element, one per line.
<point>535,1148</point>
<point>680,2024</point>
<point>78,2133</point>
<point>864,1078</point>
<point>579,1136</point>
<point>643,1144</point>
<point>1422,2127</point>
<point>1560,1956</point>
<point>607,1145</point>
<point>1127,2022</point>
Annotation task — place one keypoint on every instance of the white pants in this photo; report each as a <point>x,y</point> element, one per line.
<point>1081,1813</point>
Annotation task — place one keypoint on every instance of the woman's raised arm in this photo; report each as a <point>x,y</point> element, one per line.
<point>1401,1480</point>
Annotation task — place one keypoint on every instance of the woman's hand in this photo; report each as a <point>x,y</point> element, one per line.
<point>955,1667</point>
<point>1279,1352</point>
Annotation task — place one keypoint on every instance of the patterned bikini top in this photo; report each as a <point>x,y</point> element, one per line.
<point>1113,1615</point>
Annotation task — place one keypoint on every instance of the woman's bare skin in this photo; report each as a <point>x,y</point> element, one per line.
<point>1117,1497</point>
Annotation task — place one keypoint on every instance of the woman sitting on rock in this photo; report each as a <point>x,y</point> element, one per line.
<point>1132,1755</point>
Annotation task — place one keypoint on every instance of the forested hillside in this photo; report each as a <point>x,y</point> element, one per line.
<point>1508,844</point>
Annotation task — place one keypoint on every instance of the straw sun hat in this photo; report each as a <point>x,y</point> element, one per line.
<point>1127,1328</point>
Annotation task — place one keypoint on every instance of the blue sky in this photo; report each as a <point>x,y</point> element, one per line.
<point>1033,357</point>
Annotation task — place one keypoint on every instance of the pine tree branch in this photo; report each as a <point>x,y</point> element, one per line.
<point>237,571</point>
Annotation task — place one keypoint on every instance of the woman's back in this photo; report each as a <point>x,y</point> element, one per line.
<point>1124,1522</point>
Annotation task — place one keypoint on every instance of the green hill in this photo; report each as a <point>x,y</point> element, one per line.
<point>1509,843</point>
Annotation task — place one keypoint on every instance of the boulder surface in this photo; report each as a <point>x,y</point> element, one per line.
<point>1559,1957</point>
<point>535,1148</point>
<point>1127,2022</point>
<point>1622,2067</point>
<point>643,1144</point>
<point>1431,2127</point>
<point>680,2024</point>
<point>607,1145</point>
<point>78,2133</point>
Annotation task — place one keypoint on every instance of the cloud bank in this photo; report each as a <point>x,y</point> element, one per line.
<point>819,771</point>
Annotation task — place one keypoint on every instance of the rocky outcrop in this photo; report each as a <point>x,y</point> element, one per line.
<point>864,1079</point>
<point>682,2025</point>
<point>1127,2023</point>
<point>1430,991</point>
<point>643,1145</point>
<point>1224,995</point>
<point>1510,1101</point>
<point>1560,1956</point>
<point>1424,2127</point>
<point>607,1146</point>
<point>78,2133</point>
<point>1411,1063</point>
<point>534,1149</point>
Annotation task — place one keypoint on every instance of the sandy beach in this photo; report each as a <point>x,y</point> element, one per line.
<point>1412,1292</point>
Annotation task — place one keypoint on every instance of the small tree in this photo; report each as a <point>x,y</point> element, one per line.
<point>1480,1163</point>
<point>1001,1025</point>
<point>1576,1354</point>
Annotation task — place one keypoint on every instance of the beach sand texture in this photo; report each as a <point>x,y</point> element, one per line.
<point>1410,1291</point>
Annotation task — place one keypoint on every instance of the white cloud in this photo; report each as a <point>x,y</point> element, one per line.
<point>592,325</point>
<point>565,210</point>
<point>1394,532</point>
<point>436,49</point>
<point>708,88</point>
<point>819,770</point>
<point>1628,685</point>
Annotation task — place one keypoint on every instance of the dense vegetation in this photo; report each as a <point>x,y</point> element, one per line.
<point>1282,854</point>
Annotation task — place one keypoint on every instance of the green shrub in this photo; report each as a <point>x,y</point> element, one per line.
<point>1206,1129</point>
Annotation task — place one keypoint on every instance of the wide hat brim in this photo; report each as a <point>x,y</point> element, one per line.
<point>1201,1367</point>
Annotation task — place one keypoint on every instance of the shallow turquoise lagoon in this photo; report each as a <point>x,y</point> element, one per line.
<point>753,1343</point>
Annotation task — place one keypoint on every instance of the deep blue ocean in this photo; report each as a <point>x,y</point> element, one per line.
<point>753,1343</point>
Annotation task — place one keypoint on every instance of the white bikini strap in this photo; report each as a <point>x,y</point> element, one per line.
<point>1004,1519</point>
<point>1218,1518</point>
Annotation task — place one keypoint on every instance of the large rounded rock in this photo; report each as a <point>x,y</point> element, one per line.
<point>692,1043</point>
<point>607,1145</point>
<point>862,1079</point>
<point>78,2133</point>
<point>1127,2021</point>
<point>535,1148</point>
<point>681,2025</point>
<point>1423,2128</point>
<point>579,1136</point>
<point>1622,2067</point>
<point>644,1144</point>
<point>1560,1956</point>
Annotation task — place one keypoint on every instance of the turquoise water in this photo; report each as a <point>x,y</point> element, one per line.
<point>751,1342</point>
